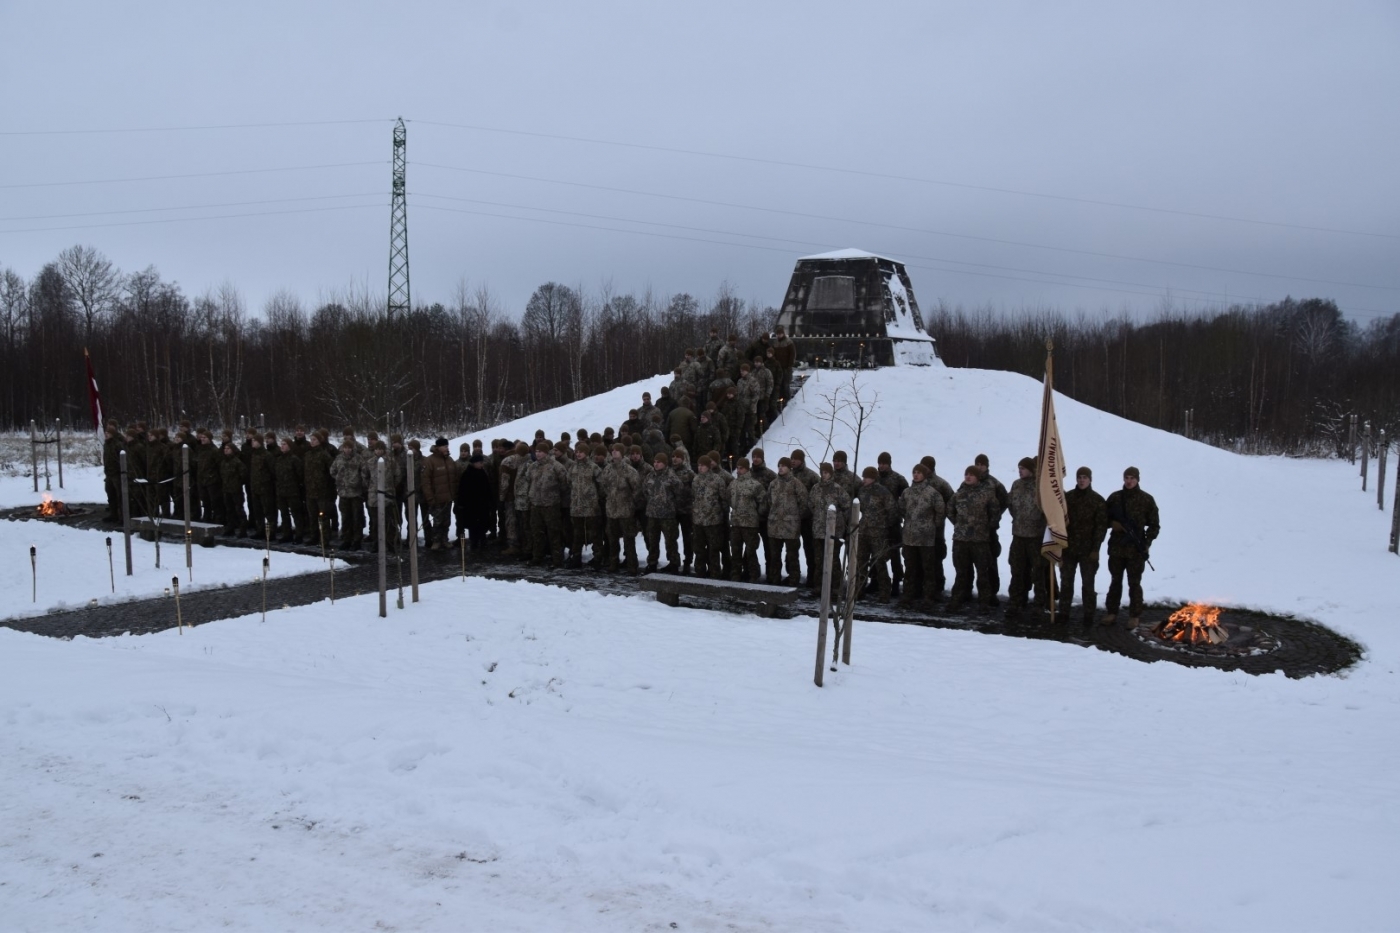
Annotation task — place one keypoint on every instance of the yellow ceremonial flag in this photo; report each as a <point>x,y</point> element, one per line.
<point>1050,489</point>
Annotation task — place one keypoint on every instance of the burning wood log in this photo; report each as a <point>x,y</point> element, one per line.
<point>1193,624</point>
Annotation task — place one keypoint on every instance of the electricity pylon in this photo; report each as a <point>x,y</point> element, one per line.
<point>398,227</point>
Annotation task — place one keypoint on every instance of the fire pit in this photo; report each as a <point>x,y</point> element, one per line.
<point>52,509</point>
<point>1200,628</point>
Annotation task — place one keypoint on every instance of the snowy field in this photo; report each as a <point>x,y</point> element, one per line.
<point>71,569</point>
<point>507,756</point>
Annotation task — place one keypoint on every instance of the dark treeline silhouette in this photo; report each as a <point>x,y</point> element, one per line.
<point>161,355</point>
<point>1279,378</point>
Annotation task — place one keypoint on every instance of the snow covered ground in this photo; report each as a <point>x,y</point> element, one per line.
<point>507,756</point>
<point>71,568</point>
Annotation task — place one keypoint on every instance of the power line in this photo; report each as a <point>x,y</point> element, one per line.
<point>1213,295</point>
<point>247,171</point>
<point>909,178</point>
<point>1212,298</point>
<point>183,129</point>
<point>189,207</point>
<point>176,220</point>
<point>924,230</point>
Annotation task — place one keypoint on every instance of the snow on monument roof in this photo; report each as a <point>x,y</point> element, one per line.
<point>846,254</point>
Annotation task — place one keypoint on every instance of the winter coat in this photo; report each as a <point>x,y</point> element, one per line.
<point>476,500</point>
<point>549,483</point>
<point>206,459</point>
<point>232,475</point>
<point>440,479</point>
<point>1135,510</point>
<point>787,504</point>
<point>348,472</point>
<point>661,489</point>
<point>748,502</point>
<point>1027,520</point>
<point>261,478</point>
<point>317,473</point>
<point>682,424</point>
<point>1087,521</point>
<point>846,480</point>
<point>708,436</point>
<point>620,484</point>
<point>709,504</point>
<point>825,493</point>
<point>584,498</point>
<point>923,511</point>
<point>877,511</point>
<point>974,512</point>
<point>288,471</point>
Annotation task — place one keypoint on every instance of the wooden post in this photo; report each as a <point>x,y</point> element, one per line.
<point>34,574</point>
<point>111,572</point>
<point>1381,451</point>
<point>185,473</point>
<point>1365,453</point>
<point>126,511</point>
<point>58,447</point>
<point>1395,519</point>
<point>851,583</point>
<point>179,619</point>
<point>34,451</point>
<point>412,499</point>
<point>383,552</point>
<point>264,589</point>
<point>1351,439</point>
<point>823,615</point>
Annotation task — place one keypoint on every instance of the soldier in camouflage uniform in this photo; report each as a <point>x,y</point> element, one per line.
<point>680,465</point>
<point>708,506</point>
<point>975,514</point>
<point>585,507</point>
<point>824,493</point>
<point>112,446</point>
<point>877,517</point>
<point>211,495</point>
<point>620,484</point>
<point>728,358</point>
<point>1086,524</point>
<point>787,505</point>
<point>764,389</point>
<point>707,433</point>
<point>1029,570</point>
<point>922,512</point>
<point>320,489</point>
<point>842,476</point>
<point>262,488</point>
<point>946,491</point>
<point>348,471</point>
<point>232,476</point>
<point>1132,514</point>
<point>549,487</point>
<point>511,464</point>
<point>895,482</point>
<point>808,478</point>
<point>661,489</point>
<point>289,485</point>
<point>748,505</point>
<point>999,491</point>
<point>380,451</point>
<point>746,393</point>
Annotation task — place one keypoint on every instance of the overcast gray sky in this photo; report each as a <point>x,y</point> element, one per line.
<point>1083,156</point>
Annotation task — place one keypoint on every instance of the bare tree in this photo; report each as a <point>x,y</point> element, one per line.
<point>93,282</point>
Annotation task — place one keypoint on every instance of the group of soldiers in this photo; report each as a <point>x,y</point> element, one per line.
<point>678,479</point>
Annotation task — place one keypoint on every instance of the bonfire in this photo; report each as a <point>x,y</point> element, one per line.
<point>1193,624</point>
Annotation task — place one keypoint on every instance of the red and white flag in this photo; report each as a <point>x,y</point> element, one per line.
<point>94,396</point>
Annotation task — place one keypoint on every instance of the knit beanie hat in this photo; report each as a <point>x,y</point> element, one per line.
<point>1084,471</point>
<point>1133,472</point>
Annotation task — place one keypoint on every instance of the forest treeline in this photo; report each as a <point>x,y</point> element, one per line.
<point>1276,378</point>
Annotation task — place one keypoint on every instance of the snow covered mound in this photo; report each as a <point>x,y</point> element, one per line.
<point>1292,536</point>
<point>594,413</point>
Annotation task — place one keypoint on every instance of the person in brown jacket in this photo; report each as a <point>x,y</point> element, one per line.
<point>440,479</point>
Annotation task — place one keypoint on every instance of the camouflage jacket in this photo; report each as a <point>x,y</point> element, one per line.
<point>317,473</point>
<point>923,511</point>
<point>261,478</point>
<point>289,471</point>
<point>763,385</point>
<point>1136,510</point>
<point>877,511</point>
<point>206,459</point>
<point>763,474</point>
<point>943,487</point>
<point>708,436</point>
<point>584,499</point>
<point>974,513</point>
<point>807,477</point>
<point>684,495</point>
<point>823,494</point>
<point>748,502</point>
<point>232,475</point>
<point>549,483</point>
<point>619,484</point>
<point>391,477</point>
<point>787,504</point>
<point>708,500</point>
<point>746,393</point>
<point>522,483</point>
<point>505,482</point>
<point>846,480</point>
<point>733,411</point>
<point>1027,520</point>
<point>728,361</point>
<point>347,470</point>
<point>661,489</point>
<point>1087,520</point>
<point>653,440</point>
<point>643,469</point>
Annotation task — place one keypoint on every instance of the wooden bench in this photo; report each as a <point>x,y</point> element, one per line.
<point>669,588</point>
<point>201,533</point>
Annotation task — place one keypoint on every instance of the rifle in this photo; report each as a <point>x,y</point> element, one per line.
<point>1119,521</point>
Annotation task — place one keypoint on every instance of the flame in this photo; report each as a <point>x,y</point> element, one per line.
<point>1194,623</point>
<point>50,507</point>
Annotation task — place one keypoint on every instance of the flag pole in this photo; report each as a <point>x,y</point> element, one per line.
<point>1049,381</point>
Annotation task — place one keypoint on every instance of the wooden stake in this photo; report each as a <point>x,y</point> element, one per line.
<point>111,571</point>
<point>383,552</point>
<point>34,573</point>
<point>189,540</point>
<point>264,589</point>
<point>826,594</point>
<point>462,547</point>
<point>853,581</point>
<point>179,619</point>
<point>126,511</point>
<point>412,497</point>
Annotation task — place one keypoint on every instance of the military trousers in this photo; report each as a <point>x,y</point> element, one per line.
<point>972,559</point>
<point>923,573</point>
<point>1087,566</point>
<point>1132,566</point>
<point>814,570</point>
<point>521,524</point>
<point>211,504</point>
<point>687,531</point>
<point>791,567</point>
<point>438,524</point>
<point>262,510</point>
<point>872,560</point>
<point>113,485</point>
<point>352,521</point>
<point>622,531</point>
<point>655,529</point>
<point>588,529</point>
<point>743,553</point>
<point>291,523</point>
<point>1029,572</point>
<point>546,535</point>
<point>709,545</point>
<point>995,573</point>
<point>809,552</point>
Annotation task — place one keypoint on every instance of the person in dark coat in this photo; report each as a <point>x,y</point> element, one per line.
<point>476,501</point>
